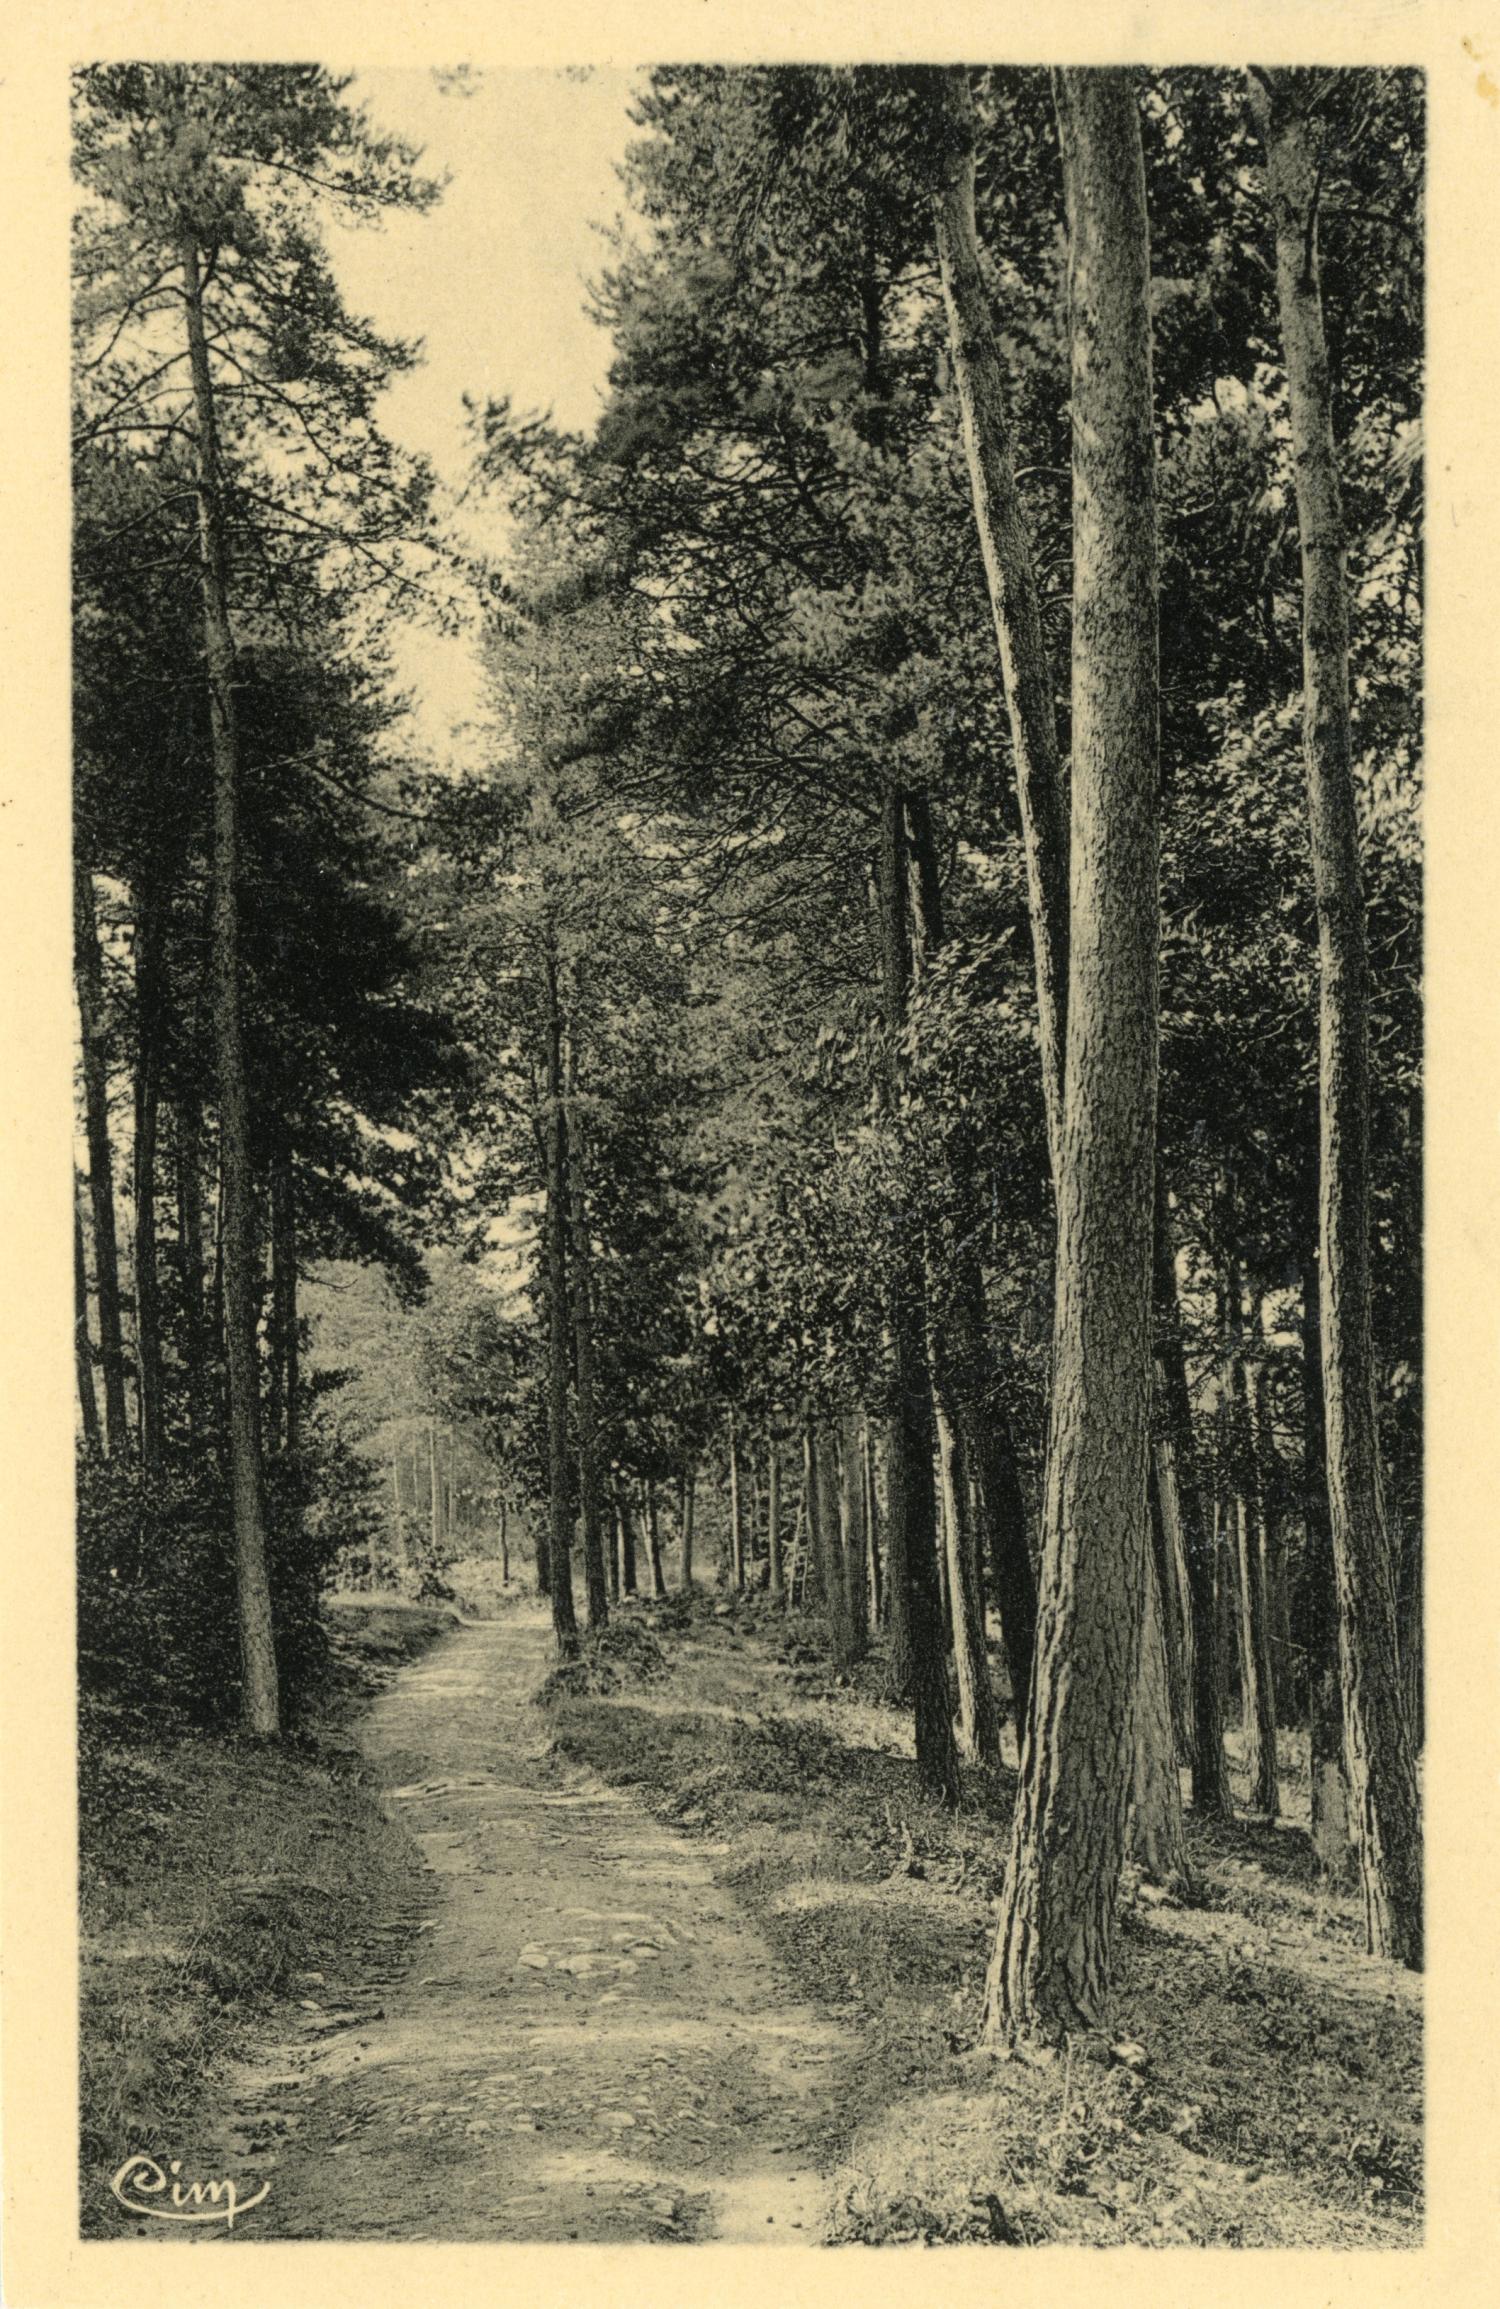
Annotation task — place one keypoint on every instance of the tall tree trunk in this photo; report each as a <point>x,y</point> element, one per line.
<point>628,1579</point>
<point>1157,1844</point>
<point>434,1496</point>
<point>83,1346</point>
<point>1258,1709</point>
<point>1014,599</point>
<point>686,1568</point>
<point>261,1700</point>
<point>399,1560</point>
<point>148,1003</point>
<point>962,1359</point>
<point>585,1401</point>
<point>872,1525</point>
<point>978,1716</point>
<point>284,1318</point>
<point>776,1579</point>
<point>853,1536</point>
<point>89,979</point>
<point>504,1544</point>
<point>190,1266</point>
<point>1211,1794</point>
<point>736,1514</point>
<point>653,1544</point>
<point>1331,1827</point>
<point>1166,1550</point>
<point>1378,1750</point>
<point>913,1501</point>
<point>823,1478</point>
<point>1053,1953</point>
<point>560,1517</point>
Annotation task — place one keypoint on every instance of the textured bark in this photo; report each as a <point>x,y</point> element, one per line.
<point>1210,1781</point>
<point>89,980</point>
<point>83,1347</point>
<point>260,1701</point>
<point>775,1573</point>
<point>1378,1752</point>
<point>1054,1949</point>
<point>560,1505</point>
<point>978,1716</point>
<point>1014,599</point>
<point>913,1502</point>
<point>585,1400</point>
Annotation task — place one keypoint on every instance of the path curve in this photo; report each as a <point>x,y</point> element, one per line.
<point>592,2041</point>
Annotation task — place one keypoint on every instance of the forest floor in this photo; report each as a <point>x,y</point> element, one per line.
<point>682,1953</point>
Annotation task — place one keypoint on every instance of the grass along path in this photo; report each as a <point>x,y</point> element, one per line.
<point>1265,2086</point>
<point>593,2041</point>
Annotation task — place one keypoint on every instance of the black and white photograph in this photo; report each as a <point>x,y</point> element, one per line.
<point>747,935</point>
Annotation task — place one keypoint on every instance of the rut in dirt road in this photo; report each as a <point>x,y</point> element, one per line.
<point>591,2042</point>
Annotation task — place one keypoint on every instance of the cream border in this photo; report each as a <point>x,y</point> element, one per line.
<point>44,2263</point>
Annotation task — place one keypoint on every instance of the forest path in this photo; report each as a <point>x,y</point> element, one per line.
<point>592,2041</point>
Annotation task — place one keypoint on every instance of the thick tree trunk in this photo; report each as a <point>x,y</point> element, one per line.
<point>89,979</point>
<point>585,1402</point>
<point>775,1573</point>
<point>978,1716</point>
<point>1014,598</point>
<point>822,1467</point>
<point>261,1701</point>
<point>83,1347</point>
<point>560,1505</point>
<point>1053,1953</point>
<point>1378,1750</point>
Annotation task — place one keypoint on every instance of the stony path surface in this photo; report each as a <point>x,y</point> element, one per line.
<point>592,2041</point>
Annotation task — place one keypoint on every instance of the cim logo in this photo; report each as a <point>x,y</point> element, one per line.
<point>141,2185</point>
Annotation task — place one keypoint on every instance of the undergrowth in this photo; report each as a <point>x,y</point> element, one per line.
<point>1259,2081</point>
<point>213,1871</point>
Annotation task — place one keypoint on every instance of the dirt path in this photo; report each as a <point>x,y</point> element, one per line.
<point>591,2041</point>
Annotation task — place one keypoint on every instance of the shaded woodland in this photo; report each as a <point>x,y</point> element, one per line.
<point>898,1084</point>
